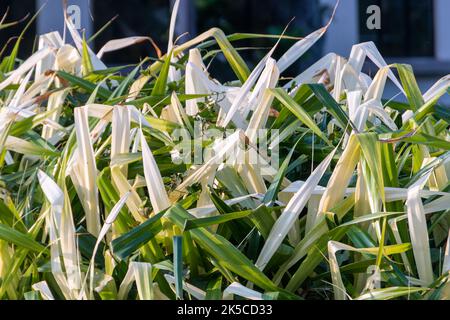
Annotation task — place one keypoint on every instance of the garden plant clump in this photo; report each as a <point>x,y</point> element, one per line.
<point>159,182</point>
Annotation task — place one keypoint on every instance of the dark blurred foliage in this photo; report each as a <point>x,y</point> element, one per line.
<point>263,17</point>
<point>151,17</point>
<point>407,26</point>
<point>17,10</point>
<point>135,18</point>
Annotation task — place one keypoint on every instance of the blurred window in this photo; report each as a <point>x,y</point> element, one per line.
<point>407,28</point>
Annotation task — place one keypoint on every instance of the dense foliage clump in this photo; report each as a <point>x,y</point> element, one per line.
<point>160,182</point>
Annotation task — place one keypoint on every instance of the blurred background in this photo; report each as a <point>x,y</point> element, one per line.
<point>412,31</point>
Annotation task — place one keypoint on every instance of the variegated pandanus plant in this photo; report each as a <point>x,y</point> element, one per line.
<point>161,182</point>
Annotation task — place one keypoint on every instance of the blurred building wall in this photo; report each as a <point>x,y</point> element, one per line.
<point>343,33</point>
<point>51,17</point>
